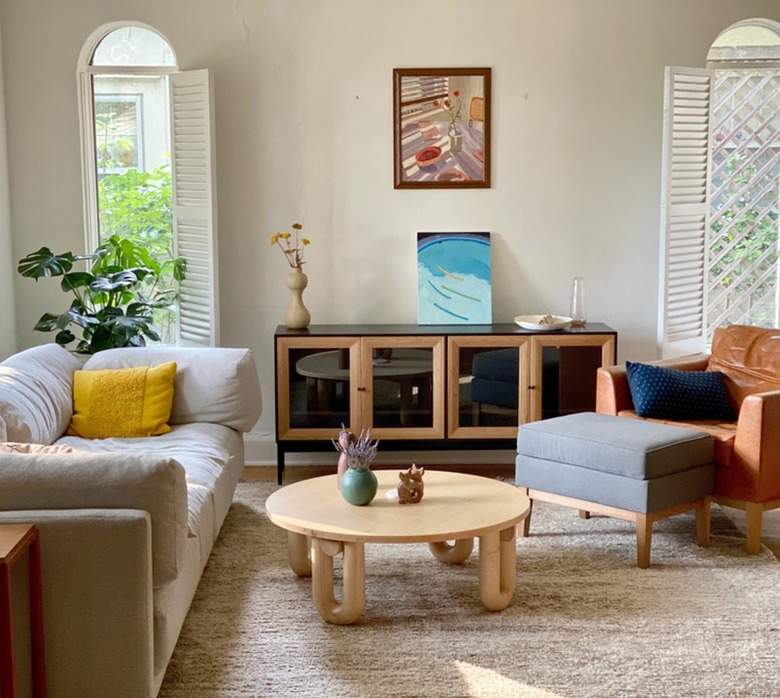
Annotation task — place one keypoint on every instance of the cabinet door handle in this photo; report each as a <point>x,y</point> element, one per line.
<point>531,387</point>
<point>361,389</point>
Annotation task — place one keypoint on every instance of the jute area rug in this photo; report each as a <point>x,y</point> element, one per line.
<point>584,621</point>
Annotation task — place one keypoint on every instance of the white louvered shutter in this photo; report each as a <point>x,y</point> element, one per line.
<point>195,206</point>
<point>685,211</point>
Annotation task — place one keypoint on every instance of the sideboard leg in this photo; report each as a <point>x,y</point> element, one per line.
<point>279,464</point>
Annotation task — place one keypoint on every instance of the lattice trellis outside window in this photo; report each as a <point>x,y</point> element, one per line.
<point>743,246</point>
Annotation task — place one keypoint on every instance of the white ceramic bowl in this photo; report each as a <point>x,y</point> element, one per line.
<point>531,322</point>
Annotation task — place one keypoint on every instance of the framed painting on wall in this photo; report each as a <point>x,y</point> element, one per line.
<point>453,279</point>
<point>441,119</point>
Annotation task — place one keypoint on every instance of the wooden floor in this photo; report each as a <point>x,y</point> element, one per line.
<point>771,523</point>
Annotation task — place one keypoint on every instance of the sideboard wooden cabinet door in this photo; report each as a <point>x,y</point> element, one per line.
<point>487,386</point>
<point>402,387</point>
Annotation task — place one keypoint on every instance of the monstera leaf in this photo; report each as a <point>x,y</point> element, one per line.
<point>114,302</point>
<point>45,263</point>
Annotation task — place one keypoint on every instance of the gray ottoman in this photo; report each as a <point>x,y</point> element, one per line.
<point>626,468</point>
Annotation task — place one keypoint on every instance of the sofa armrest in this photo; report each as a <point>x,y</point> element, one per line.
<point>757,446</point>
<point>96,574</point>
<point>612,391</point>
<point>80,480</point>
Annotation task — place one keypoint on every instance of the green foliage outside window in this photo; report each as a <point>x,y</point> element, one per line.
<point>137,206</point>
<point>744,245</point>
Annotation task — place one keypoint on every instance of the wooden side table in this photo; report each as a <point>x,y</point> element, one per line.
<point>15,539</point>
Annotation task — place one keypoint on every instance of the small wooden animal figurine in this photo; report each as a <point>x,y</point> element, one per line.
<point>410,489</point>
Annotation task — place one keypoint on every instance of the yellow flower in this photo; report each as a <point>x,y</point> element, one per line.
<point>292,249</point>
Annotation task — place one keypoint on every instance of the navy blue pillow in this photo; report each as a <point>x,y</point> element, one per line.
<point>669,393</point>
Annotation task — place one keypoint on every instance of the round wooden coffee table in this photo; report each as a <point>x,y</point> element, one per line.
<point>456,507</point>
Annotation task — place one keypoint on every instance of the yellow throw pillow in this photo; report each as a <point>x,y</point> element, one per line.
<point>122,403</point>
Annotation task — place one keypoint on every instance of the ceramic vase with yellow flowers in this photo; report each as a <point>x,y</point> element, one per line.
<point>297,316</point>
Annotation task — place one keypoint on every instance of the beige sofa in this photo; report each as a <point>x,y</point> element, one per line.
<point>126,525</point>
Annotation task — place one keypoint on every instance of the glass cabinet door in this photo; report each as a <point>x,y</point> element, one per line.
<point>488,381</point>
<point>563,373</point>
<point>317,386</point>
<point>402,386</point>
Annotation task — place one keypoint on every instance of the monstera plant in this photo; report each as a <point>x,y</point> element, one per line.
<point>114,303</point>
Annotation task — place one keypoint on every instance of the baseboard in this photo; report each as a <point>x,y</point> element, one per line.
<point>260,449</point>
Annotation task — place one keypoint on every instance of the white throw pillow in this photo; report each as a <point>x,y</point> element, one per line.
<point>217,385</point>
<point>36,393</point>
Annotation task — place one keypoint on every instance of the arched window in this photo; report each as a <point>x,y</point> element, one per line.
<point>720,212</point>
<point>148,165</point>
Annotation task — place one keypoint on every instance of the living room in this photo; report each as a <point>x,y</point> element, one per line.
<point>303,125</point>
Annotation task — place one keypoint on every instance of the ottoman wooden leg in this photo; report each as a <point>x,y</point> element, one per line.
<point>525,532</point>
<point>644,533</point>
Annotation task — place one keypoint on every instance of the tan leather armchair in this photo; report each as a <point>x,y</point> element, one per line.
<point>747,451</point>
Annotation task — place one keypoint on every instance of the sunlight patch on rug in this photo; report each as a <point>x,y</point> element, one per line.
<point>485,683</point>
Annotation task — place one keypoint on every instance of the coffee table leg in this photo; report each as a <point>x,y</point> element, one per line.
<point>453,554</point>
<point>354,572</point>
<point>497,560</point>
<point>298,547</point>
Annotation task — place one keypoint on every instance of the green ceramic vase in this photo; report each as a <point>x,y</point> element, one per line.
<point>358,487</point>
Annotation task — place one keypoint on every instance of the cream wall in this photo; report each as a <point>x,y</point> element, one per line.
<point>7,310</point>
<point>304,133</point>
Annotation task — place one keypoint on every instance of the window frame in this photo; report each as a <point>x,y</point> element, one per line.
<point>85,74</point>
<point>683,320</point>
<point>191,105</point>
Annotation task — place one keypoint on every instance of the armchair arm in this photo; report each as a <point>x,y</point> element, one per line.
<point>755,461</point>
<point>612,392</point>
<point>80,480</point>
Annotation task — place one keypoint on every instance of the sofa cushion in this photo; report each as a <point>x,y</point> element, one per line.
<point>669,393</point>
<point>16,447</point>
<point>144,393</point>
<point>216,385</point>
<point>36,393</point>
<point>212,458</point>
<point>749,358</point>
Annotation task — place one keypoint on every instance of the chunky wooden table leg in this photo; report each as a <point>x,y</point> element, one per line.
<point>298,547</point>
<point>354,573</point>
<point>452,554</point>
<point>497,561</point>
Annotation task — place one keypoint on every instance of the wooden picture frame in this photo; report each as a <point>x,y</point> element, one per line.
<point>441,119</point>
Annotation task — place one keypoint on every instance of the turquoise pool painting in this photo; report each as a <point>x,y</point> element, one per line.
<point>453,279</point>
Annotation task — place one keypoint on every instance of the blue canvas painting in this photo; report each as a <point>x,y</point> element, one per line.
<point>453,279</point>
